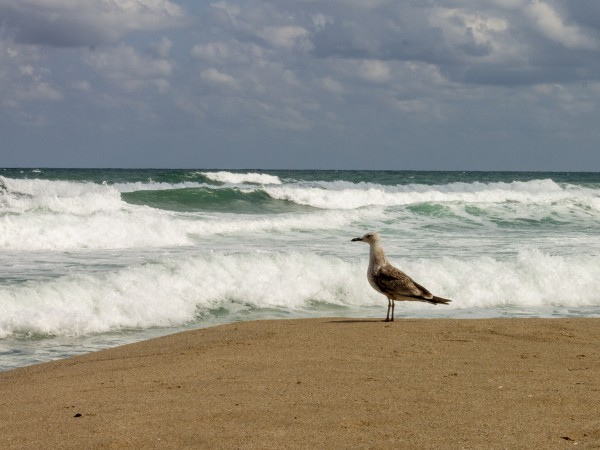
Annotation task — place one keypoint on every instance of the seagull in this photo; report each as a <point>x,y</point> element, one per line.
<point>392,282</point>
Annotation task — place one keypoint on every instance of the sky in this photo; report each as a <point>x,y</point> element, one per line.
<point>301,84</point>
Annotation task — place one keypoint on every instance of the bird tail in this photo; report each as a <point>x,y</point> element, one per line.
<point>439,300</point>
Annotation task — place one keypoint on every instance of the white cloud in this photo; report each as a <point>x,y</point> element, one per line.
<point>23,78</point>
<point>425,107</point>
<point>227,52</point>
<point>404,58</point>
<point>320,21</point>
<point>552,26</point>
<point>130,70</point>
<point>332,85</point>
<point>212,51</point>
<point>212,75</point>
<point>476,33</point>
<point>287,37</point>
<point>39,91</point>
<point>93,22</point>
<point>365,68</point>
<point>374,70</point>
<point>229,10</point>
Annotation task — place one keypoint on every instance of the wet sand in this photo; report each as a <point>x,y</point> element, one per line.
<point>320,383</point>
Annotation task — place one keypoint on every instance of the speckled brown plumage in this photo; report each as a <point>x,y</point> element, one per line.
<point>392,282</point>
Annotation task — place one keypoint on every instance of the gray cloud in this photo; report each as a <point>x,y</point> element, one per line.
<point>64,23</point>
<point>528,44</point>
<point>323,78</point>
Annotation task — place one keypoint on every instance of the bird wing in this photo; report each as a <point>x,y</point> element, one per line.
<point>395,283</point>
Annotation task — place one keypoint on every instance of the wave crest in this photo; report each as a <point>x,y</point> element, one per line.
<point>347,195</point>
<point>176,292</point>
<point>242,178</point>
<point>84,199</point>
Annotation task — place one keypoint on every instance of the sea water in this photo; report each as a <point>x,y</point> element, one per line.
<point>95,258</point>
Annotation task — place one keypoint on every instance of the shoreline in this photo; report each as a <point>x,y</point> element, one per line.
<point>335,382</point>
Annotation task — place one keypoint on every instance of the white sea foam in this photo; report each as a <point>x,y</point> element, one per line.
<point>531,279</point>
<point>174,292</point>
<point>156,186</point>
<point>171,293</point>
<point>118,230</point>
<point>346,195</point>
<point>24,195</point>
<point>81,260</point>
<point>242,178</point>
<point>64,215</point>
<point>129,226</point>
<point>60,215</point>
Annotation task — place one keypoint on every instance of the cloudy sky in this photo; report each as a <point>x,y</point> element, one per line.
<point>346,84</point>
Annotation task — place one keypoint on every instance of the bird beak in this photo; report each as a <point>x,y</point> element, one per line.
<point>356,239</point>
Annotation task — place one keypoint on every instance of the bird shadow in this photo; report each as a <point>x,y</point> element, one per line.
<point>345,321</point>
<point>356,321</point>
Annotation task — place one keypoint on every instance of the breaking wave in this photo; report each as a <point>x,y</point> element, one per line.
<point>175,292</point>
<point>242,178</point>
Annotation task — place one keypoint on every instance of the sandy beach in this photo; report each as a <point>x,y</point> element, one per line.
<point>320,383</point>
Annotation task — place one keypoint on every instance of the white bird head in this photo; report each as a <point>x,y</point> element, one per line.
<point>369,238</point>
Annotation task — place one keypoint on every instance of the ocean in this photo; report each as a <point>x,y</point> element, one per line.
<point>97,258</point>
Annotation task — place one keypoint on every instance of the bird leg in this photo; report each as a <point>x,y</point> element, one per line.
<point>393,306</point>
<point>387,318</point>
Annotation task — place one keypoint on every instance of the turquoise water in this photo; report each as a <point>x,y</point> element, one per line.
<point>96,258</point>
